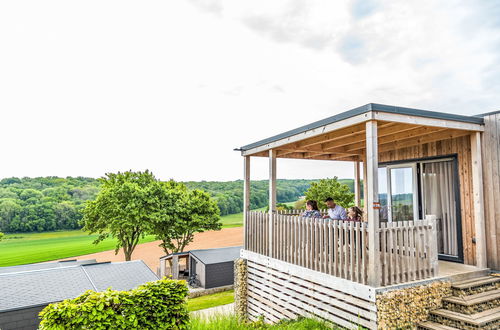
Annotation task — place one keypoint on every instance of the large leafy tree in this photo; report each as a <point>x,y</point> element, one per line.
<point>186,212</point>
<point>125,208</point>
<point>325,188</point>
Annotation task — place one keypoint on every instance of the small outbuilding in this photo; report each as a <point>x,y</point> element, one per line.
<point>211,267</point>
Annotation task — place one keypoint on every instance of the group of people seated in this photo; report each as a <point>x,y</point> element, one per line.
<point>335,211</point>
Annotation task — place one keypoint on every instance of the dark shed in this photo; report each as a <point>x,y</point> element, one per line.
<point>214,267</point>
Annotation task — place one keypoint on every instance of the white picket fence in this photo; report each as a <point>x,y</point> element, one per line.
<point>340,248</point>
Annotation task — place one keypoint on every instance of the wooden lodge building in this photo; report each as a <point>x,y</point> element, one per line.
<point>430,236</point>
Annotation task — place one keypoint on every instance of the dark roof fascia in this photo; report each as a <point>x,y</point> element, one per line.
<point>364,109</point>
<point>27,307</point>
<point>175,254</point>
<point>316,124</point>
<point>488,114</point>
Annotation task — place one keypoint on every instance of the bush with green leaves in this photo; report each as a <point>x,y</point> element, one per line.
<point>324,188</point>
<point>154,305</point>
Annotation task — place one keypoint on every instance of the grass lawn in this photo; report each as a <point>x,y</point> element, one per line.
<point>232,220</point>
<point>236,220</point>
<point>211,300</point>
<point>230,322</point>
<point>26,248</point>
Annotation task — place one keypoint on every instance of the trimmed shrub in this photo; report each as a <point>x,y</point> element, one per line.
<point>154,305</point>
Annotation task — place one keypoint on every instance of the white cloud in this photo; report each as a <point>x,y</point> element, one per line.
<point>97,86</point>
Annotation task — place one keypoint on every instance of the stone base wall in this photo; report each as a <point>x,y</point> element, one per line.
<point>405,307</point>
<point>240,288</point>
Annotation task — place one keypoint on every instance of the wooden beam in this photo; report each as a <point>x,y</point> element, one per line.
<point>312,155</point>
<point>357,186</point>
<point>374,275</point>
<point>424,121</point>
<point>272,196</point>
<point>302,155</point>
<point>445,135</point>
<point>246,196</point>
<point>477,189</point>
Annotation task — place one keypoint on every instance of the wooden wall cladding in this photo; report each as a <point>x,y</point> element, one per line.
<point>491,170</point>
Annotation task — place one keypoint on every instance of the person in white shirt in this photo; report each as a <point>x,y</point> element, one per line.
<point>335,212</point>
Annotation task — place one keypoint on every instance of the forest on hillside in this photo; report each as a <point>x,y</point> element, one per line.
<point>53,203</point>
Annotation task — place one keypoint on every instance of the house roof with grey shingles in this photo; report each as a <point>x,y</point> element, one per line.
<point>215,256</point>
<point>46,265</point>
<point>36,287</point>
<point>364,109</point>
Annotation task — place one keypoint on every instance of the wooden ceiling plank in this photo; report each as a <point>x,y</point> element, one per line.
<point>412,133</point>
<point>360,138</point>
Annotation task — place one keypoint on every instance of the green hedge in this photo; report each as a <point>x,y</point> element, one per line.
<point>154,305</point>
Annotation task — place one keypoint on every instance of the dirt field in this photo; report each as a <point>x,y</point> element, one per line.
<point>151,252</point>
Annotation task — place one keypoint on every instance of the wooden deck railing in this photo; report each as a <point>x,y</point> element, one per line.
<point>340,248</point>
<point>408,251</point>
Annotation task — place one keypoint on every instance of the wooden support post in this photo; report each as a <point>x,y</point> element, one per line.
<point>161,272</point>
<point>246,197</point>
<point>357,185</point>
<point>365,188</point>
<point>477,188</point>
<point>372,205</point>
<point>175,267</point>
<point>272,196</point>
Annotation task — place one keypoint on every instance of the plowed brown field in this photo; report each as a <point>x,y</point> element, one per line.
<point>151,252</point>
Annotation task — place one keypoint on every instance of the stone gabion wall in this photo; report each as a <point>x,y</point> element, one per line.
<point>403,308</point>
<point>240,288</point>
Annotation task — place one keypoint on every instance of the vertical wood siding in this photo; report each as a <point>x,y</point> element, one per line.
<point>491,170</point>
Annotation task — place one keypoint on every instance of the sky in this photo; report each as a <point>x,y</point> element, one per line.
<point>90,87</point>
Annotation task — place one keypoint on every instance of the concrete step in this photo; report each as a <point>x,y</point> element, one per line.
<point>428,325</point>
<point>488,319</point>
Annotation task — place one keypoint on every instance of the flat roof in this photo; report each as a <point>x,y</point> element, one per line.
<point>364,109</point>
<point>215,256</point>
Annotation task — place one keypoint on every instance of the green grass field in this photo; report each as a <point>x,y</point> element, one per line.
<point>211,300</point>
<point>26,248</point>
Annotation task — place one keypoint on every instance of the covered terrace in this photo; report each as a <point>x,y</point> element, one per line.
<point>379,251</point>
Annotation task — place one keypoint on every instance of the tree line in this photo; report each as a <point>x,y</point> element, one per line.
<point>54,203</point>
<point>44,203</point>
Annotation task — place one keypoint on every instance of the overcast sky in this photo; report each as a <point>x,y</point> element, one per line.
<point>88,87</point>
